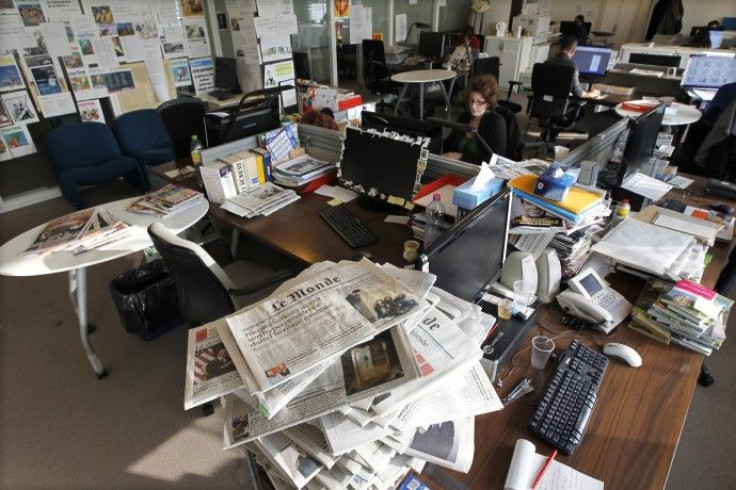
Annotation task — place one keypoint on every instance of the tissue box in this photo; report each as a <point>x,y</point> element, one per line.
<point>466,197</point>
<point>554,183</point>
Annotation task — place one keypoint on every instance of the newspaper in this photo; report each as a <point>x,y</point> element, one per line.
<point>344,435</point>
<point>312,440</point>
<point>317,319</point>
<point>298,466</point>
<point>210,371</point>
<point>449,444</point>
<point>373,367</point>
<point>336,478</point>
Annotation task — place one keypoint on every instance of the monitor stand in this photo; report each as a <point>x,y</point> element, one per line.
<point>378,205</point>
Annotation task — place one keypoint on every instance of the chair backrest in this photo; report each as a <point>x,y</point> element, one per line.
<point>487,66</point>
<point>81,145</point>
<point>201,284</point>
<point>374,61</point>
<point>514,138</point>
<point>141,130</point>
<point>551,85</point>
<point>182,118</point>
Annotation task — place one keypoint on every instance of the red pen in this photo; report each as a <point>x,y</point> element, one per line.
<point>543,469</point>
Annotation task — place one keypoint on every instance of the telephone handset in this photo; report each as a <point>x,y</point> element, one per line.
<point>578,305</point>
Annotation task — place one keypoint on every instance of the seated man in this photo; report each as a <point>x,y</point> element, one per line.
<point>568,45</point>
<point>581,30</point>
<point>725,94</point>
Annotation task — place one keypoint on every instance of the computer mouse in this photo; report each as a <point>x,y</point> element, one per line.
<point>622,353</point>
<point>723,208</point>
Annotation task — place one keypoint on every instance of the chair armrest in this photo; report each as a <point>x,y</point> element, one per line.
<point>512,84</point>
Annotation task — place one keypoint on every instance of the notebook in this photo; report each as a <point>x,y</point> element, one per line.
<point>525,466</point>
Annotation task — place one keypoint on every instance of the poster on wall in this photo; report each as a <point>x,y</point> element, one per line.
<point>203,76</point>
<point>20,107</point>
<point>180,72</point>
<point>105,20</point>
<point>191,8</point>
<point>4,116</point>
<point>275,48</point>
<point>31,12</point>
<point>91,111</point>
<point>341,8</point>
<point>275,73</point>
<point>10,78</point>
<point>18,141</point>
<point>196,34</point>
<point>60,10</point>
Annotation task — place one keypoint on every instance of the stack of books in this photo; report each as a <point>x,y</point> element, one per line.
<point>300,171</point>
<point>79,232</point>
<point>349,375</point>
<point>685,313</point>
<point>573,249</point>
<point>260,201</point>
<point>167,200</point>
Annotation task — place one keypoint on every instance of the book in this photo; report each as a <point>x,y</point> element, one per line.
<point>525,466</point>
<point>218,182</point>
<point>577,201</point>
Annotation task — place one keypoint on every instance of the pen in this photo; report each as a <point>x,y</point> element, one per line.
<point>543,469</point>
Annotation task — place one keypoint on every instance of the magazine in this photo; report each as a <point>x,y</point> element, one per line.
<point>62,232</point>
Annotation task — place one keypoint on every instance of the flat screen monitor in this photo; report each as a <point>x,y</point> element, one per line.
<point>226,75</point>
<point>470,255</point>
<point>709,71</point>
<point>641,141</point>
<point>431,44</point>
<point>670,61</point>
<point>403,125</point>
<point>378,164</point>
<point>567,27</point>
<point>592,60</point>
<point>716,38</point>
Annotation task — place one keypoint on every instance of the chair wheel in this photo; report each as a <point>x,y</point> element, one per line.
<point>705,379</point>
<point>208,409</point>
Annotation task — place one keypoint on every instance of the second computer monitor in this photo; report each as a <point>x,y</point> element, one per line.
<point>226,75</point>
<point>592,60</point>
<point>431,44</point>
<point>641,141</point>
<point>709,71</point>
<point>403,125</point>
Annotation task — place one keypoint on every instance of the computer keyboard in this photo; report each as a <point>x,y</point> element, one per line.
<point>220,94</point>
<point>562,414</point>
<point>350,228</point>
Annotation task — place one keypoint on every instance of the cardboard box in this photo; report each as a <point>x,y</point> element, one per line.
<point>464,196</point>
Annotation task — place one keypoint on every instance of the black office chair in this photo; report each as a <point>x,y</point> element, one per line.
<point>375,72</point>
<point>184,117</point>
<point>492,66</point>
<point>550,105</point>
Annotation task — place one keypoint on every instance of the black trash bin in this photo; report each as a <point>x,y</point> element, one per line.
<point>146,300</point>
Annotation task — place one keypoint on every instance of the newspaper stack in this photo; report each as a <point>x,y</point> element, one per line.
<point>301,170</point>
<point>260,201</point>
<point>79,232</point>
<point>350,374</point>
<point>166,201</point>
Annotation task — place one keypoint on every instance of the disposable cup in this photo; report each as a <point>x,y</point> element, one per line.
<point>542,348</point>
<point>411,249</point>
<point>505,309</point>
<point>522,295</point>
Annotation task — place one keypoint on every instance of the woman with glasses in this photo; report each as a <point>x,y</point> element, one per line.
<point>480,98</point>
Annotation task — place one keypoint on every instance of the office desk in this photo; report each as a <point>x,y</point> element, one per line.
<point>423,78</point>
<point>14,264</point>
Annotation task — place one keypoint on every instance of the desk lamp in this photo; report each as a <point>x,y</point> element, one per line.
<point>462,127</point>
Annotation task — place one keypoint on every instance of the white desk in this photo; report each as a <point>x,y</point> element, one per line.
<point>423,78</point>
<point>14,264</point>
<point>686,114</point>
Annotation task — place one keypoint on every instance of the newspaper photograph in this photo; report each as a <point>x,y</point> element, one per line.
<point>210,371</point>
<point>448,444</point>
<point>319,318</point>
<point>372,368</point>
<point>298,466</point>
<point>312,440</point>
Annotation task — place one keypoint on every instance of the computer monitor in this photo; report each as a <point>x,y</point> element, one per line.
<point>709,71</point>
<point>716,38</point>
<point>469,256</point>
<point>641,141</point>
<point>378,165</point>
<point>567,27</point>
<point>431,44</point>
<point>671,61</point>
<point>226,75</point>
<point>403,125</point>
<point>253,117</point>
<point>592,60</point>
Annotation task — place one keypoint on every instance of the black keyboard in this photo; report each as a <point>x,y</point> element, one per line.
<point>563,412</point>
<point>350,228</point>
<point>221,94</point>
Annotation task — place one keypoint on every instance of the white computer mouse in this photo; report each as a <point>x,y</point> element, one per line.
<point>622,353</point>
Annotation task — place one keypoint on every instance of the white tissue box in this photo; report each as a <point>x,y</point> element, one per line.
<point>466,197</point>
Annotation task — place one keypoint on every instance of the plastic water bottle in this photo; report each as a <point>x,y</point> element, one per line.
<point>195,148</point>
<point>435,220</point>
<point>621,212</point>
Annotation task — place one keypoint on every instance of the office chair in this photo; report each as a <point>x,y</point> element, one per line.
<point>143,136</point>
<point>375,72</point>
<point>550,105</point>
<point>492,66</point>
<point>182,118</point>
<point>87,153</point>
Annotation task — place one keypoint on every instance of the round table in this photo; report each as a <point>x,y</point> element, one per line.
<point>423,78</point>
<point>686,114</point>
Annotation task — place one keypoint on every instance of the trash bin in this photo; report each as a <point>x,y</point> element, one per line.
<point>146,300</point>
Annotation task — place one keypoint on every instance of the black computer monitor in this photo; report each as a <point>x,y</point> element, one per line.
<point>567,27</point>
<point>470,255</point>
<point>377,165</point>
<point>226,75</point>
<point>404,125</point>
<point>253,117</point>
<point>641,141</point>
<point>431,44</point>
<point>709,71</point>
<point>592,60</point>
<point>670,61</point>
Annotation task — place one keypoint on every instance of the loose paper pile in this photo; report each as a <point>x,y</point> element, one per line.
<point>167,200</point>
<point>350,374</point>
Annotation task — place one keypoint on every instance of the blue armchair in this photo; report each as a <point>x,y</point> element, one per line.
<point>142,135</point>
<point>87,153</point>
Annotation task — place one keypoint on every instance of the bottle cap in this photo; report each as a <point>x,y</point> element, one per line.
<point>624,201</point>
<point>436,196</point>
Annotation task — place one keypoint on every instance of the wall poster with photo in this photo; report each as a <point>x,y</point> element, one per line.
<point>10,77</point>
<point>20,107</point>
<point>91,111</point>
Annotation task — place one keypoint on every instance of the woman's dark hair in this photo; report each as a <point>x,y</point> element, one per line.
<point>581,18</point>
<point>486,86</point>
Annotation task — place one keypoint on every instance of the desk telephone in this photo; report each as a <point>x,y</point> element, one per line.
<point>589,297</point>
